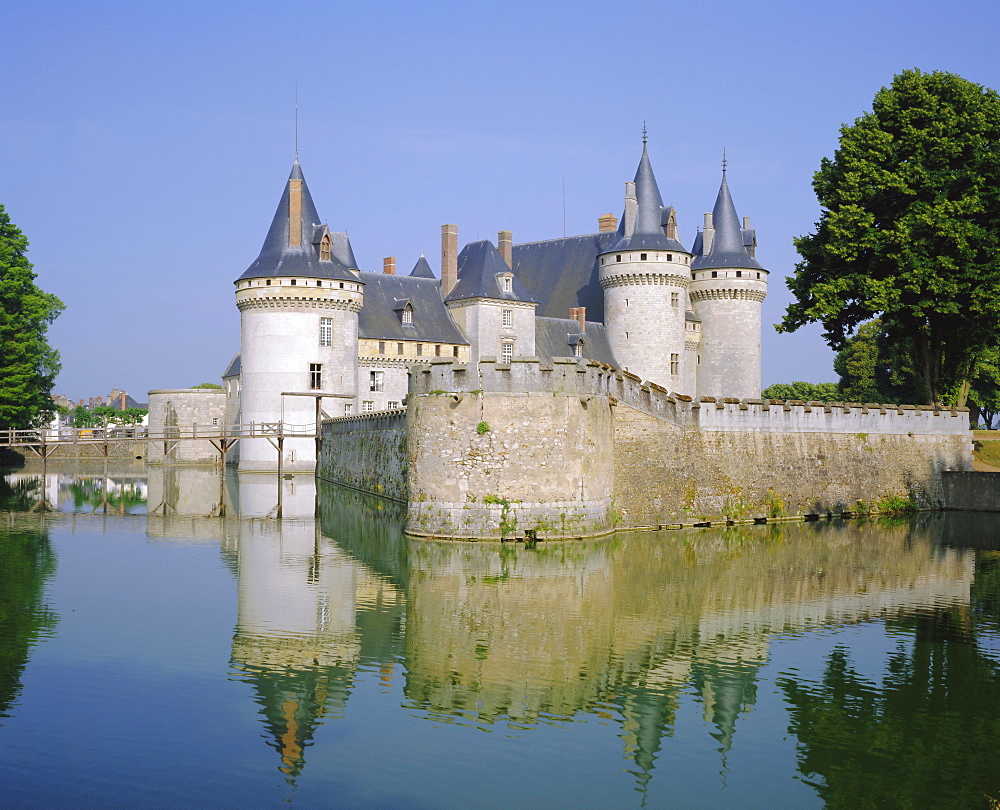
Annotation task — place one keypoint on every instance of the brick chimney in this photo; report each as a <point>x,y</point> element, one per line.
<point>579,314</point>
<point>389,265</point>
<point>506,247</point>
<point>449,258</point>
<point>607,223</point>
<point>90,403</point>
<point>123,395</point>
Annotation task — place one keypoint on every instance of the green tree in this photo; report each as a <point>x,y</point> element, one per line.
<point>910,230</point>
<point>28,365</point>
<point>207,385</point>
<point>873,369</point>
<point>805,391</point>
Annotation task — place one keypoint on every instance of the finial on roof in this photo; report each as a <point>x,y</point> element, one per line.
<point>296,122</point>
<point>724,161</point>
<point>645,135</point>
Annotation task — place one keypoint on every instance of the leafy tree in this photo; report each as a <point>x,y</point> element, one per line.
<point>28,365</point>
<point>207,385</point>
<point>805,391</point>
<point>873,369</point>
<point>910,230</point>
<point>84,418</point>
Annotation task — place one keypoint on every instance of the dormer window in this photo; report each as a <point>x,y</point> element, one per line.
<point>407,315</point>
<point>578,349</point>
<point>506,282</point>
<point>324,249</point>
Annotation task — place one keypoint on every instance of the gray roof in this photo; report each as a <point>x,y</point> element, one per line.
<point>234,368</point>
<point>340,245</point>
<point>278,258</point>
<point>479,265</point>
<point>649,215</point>
<point>728,242</point>
<point>564,273</point>
<point>386,295</point>
<point>557,337</point>
<point>422,269</point>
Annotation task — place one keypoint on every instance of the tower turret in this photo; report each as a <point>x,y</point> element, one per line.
<point>299,305</point>
<point>645,273</point>
<point>726,293</point>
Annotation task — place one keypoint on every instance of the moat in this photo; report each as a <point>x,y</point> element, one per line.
<point>166,640</point>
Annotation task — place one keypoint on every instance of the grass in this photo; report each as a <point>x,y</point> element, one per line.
<point>987,450</point>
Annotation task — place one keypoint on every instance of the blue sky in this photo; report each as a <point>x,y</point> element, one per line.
<point>144,146</point>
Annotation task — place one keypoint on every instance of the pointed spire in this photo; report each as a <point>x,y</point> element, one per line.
<point>422,268</point>
<point>291,247</point>
<point>727,242</point>
<point>648,230</point>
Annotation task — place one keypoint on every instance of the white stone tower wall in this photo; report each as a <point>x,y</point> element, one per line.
<point>482,323</point>
<point>644,325</point>
<point>729,309</point>
<point>280,338</point>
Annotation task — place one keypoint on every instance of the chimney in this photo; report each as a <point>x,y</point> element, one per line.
<point>707,235</point>
<point>746,223</point>
<point>123,399</point>
<point>631,204</point>
<point>91,401</point>
<point>389,265</point>
<point>580,315</point>
<point>449,258</point>
<point>81,404</point>
<point>294,213</point>
<point>506,247</point>
<point>607,223</point>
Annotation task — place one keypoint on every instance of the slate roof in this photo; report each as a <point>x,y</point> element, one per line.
<point>563,273</point>
<point>385,295</point>
<point>479,264</point>
<point>728,243</point>
<point>650,215</point>
<point>234,368</point>
<point>422,269</point>
<point>557,337</point>
<point>278,258</point>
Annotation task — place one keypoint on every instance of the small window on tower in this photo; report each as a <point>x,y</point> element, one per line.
<point>643,257</point>
<point>670,257</point>
<point>739,274</point>
<point>293,282</point>
<point>319,283</point>
<point>508,317</point>
<point>315,376</point>
<point>675,300</point>
<point>674,365</point>
<point>326,331</point>
<point>268,282</point>
<point>715,274</point>
<point>618,258</point>
<point>507,351</point>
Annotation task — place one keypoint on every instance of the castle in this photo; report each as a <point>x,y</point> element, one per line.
<point>322,338</point>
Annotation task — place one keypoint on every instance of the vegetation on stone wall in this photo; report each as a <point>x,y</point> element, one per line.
<point>910,231</point>
<point>804,391</point>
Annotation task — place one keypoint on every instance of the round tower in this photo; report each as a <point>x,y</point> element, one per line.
<point>299,305</point>
<point>726,292</point>
<point>645,273</point>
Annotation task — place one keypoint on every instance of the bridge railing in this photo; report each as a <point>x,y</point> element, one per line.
<point>99,435</point>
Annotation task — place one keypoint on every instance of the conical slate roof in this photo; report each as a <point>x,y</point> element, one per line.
<point>285,253</point>
<point>648,232</point>
<point>727,243</point>
<point>479,265</point>
<point>422,269</point>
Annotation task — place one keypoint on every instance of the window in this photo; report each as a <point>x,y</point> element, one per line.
<point>670,257</point>
<point>407,316</point>
<point>454,351</point>
<point>348,408</point>
<point>618,258</point>
<point>341,285</point>
<point>420,350</point>
<point>399,348</point>
<point>376,381</point>
<point>437,350</point>
<point>315,376</point>
<point>508,317</point>
<point>508,284</point>
<point>215,420</point>
<point>381,347</point>
<point>326,331</point>
<point>368,405</point>
<point>739,274</point>
<point>319,283</point>
<point>324,249</point>
<point>392,404</point>
<point>507,351</point>
<point>268,282</point>
<point>675,300</point>
<point>715,274</point>
<point>578,350</point>
<point>674,365</point>
<point>293,282</point>
<point>643,257</point>
<point>758,275</point>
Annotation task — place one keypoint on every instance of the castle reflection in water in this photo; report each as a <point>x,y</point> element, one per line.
<point>486,634</point>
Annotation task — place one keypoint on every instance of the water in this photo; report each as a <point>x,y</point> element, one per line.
<point>166,640</point>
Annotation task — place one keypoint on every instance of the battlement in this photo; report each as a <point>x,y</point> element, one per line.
<point>572,377</point>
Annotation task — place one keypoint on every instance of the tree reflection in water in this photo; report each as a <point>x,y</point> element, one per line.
<point>929,735</point>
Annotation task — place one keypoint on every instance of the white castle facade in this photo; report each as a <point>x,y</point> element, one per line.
<point>321,337</point>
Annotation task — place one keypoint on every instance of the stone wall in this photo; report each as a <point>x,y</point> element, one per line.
<point>972,491</point>
<point>176,412</point>
<point>577,448</point>
<point>366,452</point>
